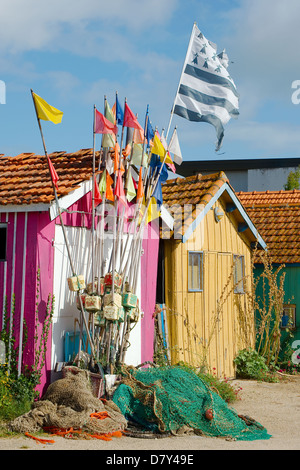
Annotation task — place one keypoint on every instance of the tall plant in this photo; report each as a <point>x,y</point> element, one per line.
<point>269,308</point>
<point>7,335</point>
<point>41,338</point>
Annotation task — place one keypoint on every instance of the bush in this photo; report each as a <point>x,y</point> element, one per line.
<point>18,389</point>
<point>251,365</point>
<point>222,387</point>
<point>16,394</point>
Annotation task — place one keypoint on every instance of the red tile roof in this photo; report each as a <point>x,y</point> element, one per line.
<point>24,179</point>
<point>276,214</point>
<point>193,190</point>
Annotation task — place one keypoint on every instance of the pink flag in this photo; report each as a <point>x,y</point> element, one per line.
<point>103,125</point>
<point>119,191</point>
<point>130,119</point>
<point>172,167</point>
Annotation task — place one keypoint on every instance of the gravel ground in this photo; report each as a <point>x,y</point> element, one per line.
<point>274,405</point>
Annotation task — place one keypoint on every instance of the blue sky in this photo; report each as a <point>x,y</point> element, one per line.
<point>73,53</point>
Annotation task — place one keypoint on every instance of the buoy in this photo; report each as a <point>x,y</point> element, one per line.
<point>209,414</point>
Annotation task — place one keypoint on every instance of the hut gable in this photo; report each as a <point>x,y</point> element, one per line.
<point>190,199</point>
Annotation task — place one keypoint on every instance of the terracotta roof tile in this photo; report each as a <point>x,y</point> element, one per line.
<point>276,214</point>
<point>194,190</point>
<point>199,188</point>
<point>24,179</point>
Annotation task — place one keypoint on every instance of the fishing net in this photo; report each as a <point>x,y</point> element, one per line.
<point>170,399</point>
<point>70,404</point>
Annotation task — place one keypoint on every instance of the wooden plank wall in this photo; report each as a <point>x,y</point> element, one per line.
<point>192,315</point>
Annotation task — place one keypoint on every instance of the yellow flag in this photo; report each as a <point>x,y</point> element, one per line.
<point>159,149</point>
<point>45,111</point>
<point>153,211</point>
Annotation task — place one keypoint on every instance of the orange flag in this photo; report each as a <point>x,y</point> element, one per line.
<point>126,151</point>
<point>138,136</point>
<point>140,189</point>
<point>117,157</point>
<point>109,192</point>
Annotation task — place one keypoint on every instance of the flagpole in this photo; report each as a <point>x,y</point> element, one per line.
<point>113,254</point>
<point>134,218</point>
<point>53,186</point>
<point>120,220</point>
<point>93,201</point>
<point>114,245</point>
<point>150,191</point>
<point>93,215</point>
<point>62,224</point>
<point>145,133</point>
<point>102,231</point>
<point>182,72</point>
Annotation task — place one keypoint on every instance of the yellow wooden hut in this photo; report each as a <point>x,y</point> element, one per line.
<point>207,272</point>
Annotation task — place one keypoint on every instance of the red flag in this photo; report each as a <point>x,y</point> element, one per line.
<point>54,175</point>
<point>103,125</point>
<point>97,195</point>
<point>119,191</point>
<point>130,119</point>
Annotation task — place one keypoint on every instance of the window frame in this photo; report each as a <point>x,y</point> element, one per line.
<point>237,289</point>
<point>3,225</point>
<point>191,287</point>
<point>289,307</point>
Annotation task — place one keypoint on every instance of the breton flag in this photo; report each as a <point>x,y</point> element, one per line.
<point>206,92</point>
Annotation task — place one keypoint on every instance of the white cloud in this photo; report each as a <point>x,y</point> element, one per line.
<point>116,34</point>
<point>263,44</point>
<point>272,138</point>
<point>43,24</point>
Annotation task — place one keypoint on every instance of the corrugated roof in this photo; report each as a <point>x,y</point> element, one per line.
<point>24,179</point>
<point>276,214</point>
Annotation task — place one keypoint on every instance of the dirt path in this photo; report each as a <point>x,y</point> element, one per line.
<point>275,406</point>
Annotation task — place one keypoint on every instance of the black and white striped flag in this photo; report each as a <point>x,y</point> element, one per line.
<point>206,92</point>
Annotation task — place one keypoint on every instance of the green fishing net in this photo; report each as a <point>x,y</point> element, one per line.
<point>163,400</point>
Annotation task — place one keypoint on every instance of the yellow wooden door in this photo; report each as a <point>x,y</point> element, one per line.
<point>225,328</point>
<point>220,313</point>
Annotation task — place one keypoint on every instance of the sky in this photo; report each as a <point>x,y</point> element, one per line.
<point>74,53</point>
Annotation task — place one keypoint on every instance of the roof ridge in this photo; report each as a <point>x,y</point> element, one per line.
<point>198,177</point>
<point>280,191</point>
